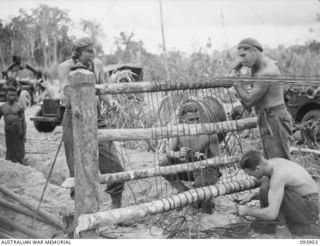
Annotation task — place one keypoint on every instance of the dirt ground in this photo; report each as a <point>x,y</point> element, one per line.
<point>29,181</point>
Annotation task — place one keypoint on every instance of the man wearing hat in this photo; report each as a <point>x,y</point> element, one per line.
<point>84,57</point>
<point>274,121</point>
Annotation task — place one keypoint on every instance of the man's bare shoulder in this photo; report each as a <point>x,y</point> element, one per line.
<point>3,105</point>
<point>65,64</point>
<point>270,69</point>
<point>98,63</point>
<point>284,167</point>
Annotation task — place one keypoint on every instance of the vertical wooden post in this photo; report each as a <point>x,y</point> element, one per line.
<point>85,129</point>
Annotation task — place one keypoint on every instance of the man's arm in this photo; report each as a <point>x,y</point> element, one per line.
<point>23,122</point>
<point>171,147</point>
<point>251,98</point>
<point>63,73</point>
<point>213,146</point>
<point>107,99</point>
<point>1,111</point>
<point>275,197</point>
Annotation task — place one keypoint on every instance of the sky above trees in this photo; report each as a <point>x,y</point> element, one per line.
<point>190,24</point>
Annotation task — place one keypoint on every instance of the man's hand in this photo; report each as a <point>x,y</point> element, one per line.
<point>234,73</point>
<point>234,70</point>
<point>114,104</point>
<point>183,153</point>
<point>199,156</point>
<point>243,210</point>
<point>247,198</point>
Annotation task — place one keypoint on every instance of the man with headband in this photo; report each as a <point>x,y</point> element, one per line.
<point>186,149</point>
<point>84,56</point>
<point>274,121</point>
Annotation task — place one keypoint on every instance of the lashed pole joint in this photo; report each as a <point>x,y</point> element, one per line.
<point>110,217</point>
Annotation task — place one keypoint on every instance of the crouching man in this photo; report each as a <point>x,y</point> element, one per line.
<point>288,195</point>
<point>184,149</point>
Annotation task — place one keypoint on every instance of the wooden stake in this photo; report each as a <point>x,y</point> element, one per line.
<point>84,120</point>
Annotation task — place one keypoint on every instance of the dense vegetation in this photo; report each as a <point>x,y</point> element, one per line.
<point>42,39</point>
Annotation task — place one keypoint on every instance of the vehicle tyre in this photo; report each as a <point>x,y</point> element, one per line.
<point>310,136</point>
<point>43,126</point>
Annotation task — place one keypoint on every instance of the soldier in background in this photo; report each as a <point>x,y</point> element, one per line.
<point>84,57</point>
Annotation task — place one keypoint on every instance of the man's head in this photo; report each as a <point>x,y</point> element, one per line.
<point>249,50</point>
<point>190,114</point>
<point>251,162</point>
<point>11,94</point>
<point>84,49</point>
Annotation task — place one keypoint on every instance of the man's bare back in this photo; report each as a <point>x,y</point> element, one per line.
<point>295,177</point>
<point>273,95</point>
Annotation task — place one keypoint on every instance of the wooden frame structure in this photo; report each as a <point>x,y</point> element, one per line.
<point>86,136</point>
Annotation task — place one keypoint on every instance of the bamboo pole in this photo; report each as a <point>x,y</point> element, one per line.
<point>304,150</point>
<point>17,226</point>
<point>164,170</point>
<point>176,131</point>
<point>84,120</point>
<point>110,217</point>
<point>200,83</point>
<point>21,210</point>
<point>111,178</point>
<point>54,220</point>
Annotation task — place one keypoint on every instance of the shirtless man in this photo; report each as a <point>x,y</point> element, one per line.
<point>184,149</point>
<point>288,194</point>
<point>274,121</point>
<point>84,57</point>
<point>15,126</point>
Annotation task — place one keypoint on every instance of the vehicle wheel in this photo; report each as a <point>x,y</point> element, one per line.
<point>312,135</point>
<point>43,126</point>
<point>25,99</point>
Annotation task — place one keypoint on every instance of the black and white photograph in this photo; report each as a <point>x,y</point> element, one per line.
<point>159,120</point>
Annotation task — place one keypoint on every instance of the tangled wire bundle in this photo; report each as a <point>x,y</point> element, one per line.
<point>210,110</point>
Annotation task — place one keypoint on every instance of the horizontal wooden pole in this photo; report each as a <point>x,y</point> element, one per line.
<point>304,150</point>
<point>161,170</point>
<point>110,217</point>
<point>164,170</point>
<point>176,130</point>
<point>54,220</point>
<point>200,83</point>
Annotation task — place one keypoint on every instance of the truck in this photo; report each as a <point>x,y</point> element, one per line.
<point>47,117</point>
<point>304,106</point>
<point>26,77</point>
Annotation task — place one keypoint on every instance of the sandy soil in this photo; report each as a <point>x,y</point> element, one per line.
<point>29,181</point>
